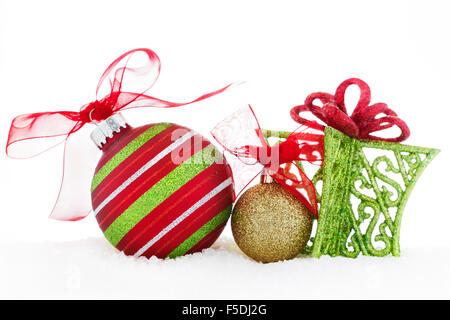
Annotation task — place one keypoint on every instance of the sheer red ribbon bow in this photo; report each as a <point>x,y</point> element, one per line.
<point>32,134</point>
<point>363,121</point>
<point>241,135</point>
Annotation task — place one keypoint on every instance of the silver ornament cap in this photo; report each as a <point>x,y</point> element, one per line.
<point>107,128</point>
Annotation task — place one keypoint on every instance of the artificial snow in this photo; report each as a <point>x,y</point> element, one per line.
<point>92,268</point>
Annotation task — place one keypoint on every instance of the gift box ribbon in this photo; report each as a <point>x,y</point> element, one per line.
<point>125,87</point>
<point>365,120</point>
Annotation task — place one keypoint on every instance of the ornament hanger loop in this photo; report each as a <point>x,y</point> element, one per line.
<point>90,115</point>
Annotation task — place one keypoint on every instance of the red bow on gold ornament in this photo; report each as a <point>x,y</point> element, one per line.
<point>364,120</point>
<point>32,134</point>
<point>241,135</point>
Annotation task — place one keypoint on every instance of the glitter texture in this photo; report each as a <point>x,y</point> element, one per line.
<point>147,203</point>
<point>201,233</point>
<point>160,192</point>
<point>147,166</point>
<point>270,224</point>
<point>380,188</point>
<point>349,174</point>
<point>183,216</point>
<point>126,152</point>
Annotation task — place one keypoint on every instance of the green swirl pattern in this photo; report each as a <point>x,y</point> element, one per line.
<point>363,194</point>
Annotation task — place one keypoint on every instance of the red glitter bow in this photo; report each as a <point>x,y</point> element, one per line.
<point>32,134</point>
<point>364,120</point>
<point>241,135</point>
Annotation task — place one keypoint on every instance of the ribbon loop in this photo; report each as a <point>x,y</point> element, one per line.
<point>241,135</point>
<point>125,86</point>
<point>364,97</point>
<point>365,120</point>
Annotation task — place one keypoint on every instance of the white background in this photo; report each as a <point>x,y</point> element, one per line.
<point>53,52</point>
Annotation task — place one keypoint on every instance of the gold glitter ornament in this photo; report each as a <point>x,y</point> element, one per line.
<point>270,224</point>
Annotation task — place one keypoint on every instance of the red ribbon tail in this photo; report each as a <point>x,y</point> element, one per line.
<point>292,177</point>
<point>79,161</point>
<point>125,85</point>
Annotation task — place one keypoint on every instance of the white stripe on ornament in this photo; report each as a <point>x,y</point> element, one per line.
<point>186,214</point>
<point>144,168</point>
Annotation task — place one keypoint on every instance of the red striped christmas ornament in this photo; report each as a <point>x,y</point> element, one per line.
<point>159,190</point>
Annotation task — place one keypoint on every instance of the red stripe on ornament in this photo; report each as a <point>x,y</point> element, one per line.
<point>115,147</point>
<point>208,241</point>
<point>175,237</point>
<point>170,209</point>
<point>146,181</point>
<point>134,191</point>
<point>166,212</point>
<point>131,164</point>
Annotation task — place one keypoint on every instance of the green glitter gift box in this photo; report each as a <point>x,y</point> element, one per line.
<point>361,203</point>
<point>366,180</point>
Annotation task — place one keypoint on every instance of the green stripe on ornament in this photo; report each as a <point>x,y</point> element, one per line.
<point>201,233</point>
<point>124,153</point>
<point>161,191</point>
